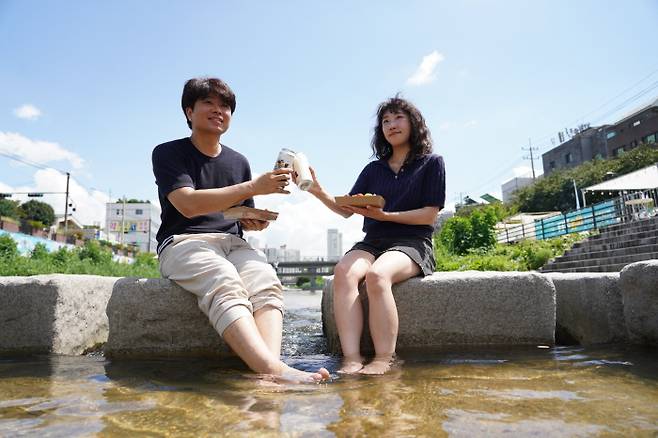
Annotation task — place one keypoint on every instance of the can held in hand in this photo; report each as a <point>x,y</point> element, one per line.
<point>285,160</point>
<point>303,177</point>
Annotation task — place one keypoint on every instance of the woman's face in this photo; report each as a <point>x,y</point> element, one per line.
<point>396,127</point>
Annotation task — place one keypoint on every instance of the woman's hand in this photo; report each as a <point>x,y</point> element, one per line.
<point>369,211</point>
<point>315,188</point>
<point>253,224</point>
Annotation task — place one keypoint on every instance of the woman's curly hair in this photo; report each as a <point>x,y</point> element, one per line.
<point>420,137</point>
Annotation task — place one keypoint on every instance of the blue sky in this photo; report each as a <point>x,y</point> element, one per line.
<point>103,83</point>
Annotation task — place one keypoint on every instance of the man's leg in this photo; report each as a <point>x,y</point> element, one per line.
<point>269,321</point>
<point>390,268</point>
<point>264,291</point>
<point>348,312</point>
<point>198,266</point>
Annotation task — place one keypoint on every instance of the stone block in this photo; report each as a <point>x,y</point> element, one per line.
<point>157,318</point>
<point>61,314</point>
<point>639,289</point>
<point>462,308</point>
<point>589,308</point>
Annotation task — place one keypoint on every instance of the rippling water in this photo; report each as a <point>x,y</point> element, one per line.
<point>564,391</point>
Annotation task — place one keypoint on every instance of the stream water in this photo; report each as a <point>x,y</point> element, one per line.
<point>562,391</point>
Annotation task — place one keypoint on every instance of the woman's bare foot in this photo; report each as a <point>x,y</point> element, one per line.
<point>351,365</point>
<point>378,366</point>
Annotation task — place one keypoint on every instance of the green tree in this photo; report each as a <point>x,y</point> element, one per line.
<point>9,208</point>
<point>555,192</point>
<point>38,211</point>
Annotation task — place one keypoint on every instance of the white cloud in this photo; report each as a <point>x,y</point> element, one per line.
<point>470,123</point>
<point>444,126</point>
<point>36,150</point>
<point>89,204</point>
<point>303,222</point>
<point>27,111</point>
<point>424,74</point>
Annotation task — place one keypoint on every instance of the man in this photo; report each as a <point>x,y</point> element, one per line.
<point>197,179</point>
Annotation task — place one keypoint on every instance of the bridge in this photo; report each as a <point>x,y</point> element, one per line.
<point>289,272</point>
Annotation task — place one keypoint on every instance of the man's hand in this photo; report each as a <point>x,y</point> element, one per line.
<point>272,182</point>
<point>253,224</point>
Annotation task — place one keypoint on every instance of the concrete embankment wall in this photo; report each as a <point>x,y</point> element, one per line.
<point>129,317</point>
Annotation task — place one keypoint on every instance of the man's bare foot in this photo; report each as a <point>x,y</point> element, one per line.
<point>378,366</point>
<point>292,375</point>
<point>351,365</point>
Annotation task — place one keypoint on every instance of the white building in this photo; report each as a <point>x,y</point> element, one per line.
<point>334,244</point>
<point>133,224</point>
<point>272,254</point>
<point>513,185</point>
<point>282,254</point>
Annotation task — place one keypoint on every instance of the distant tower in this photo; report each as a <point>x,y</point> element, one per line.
<point>334,244</point>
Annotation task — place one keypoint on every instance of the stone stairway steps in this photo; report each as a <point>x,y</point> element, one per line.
<point>615,247</point>
<point>608,253</point>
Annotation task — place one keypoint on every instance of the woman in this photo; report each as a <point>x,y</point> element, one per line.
<point>398,240</point>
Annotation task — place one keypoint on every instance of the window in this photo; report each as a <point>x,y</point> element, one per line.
<point>650,139</point>
<point>633,143</point>
<point>551,164</point>
<point>619,151</point>
<point>568,158</point>
<point>610,135</point>
<point>635,123</point>
<point>139,211</point>
<point>598,157</point>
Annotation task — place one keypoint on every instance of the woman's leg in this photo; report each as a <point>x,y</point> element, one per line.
<point>390,268</point>
<point>349,271</point>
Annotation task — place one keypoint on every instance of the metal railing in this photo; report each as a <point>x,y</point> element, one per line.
<point>625,208</point>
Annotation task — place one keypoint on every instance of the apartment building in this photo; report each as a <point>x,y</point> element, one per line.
<point>133,224</point>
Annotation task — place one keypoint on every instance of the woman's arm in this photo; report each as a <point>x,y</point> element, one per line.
<point>419,216</point>
<point>328,200</point>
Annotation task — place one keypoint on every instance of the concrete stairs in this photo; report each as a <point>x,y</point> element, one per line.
<point>611,250</point>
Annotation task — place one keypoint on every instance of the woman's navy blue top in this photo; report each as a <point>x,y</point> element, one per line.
<point>420,183</point>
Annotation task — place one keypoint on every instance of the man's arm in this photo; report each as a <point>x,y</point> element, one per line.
<point>191,202</point>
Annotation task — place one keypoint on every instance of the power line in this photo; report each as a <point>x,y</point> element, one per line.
<point>618,107</point>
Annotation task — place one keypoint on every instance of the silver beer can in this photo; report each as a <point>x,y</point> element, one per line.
<point>285,160</point>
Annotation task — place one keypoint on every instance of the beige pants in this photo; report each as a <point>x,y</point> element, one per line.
<point>229,277</point>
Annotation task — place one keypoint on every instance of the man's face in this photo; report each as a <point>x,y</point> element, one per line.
<point>209,115</point>
<point>396,128</point>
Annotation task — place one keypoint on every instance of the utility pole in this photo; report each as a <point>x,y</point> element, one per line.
<point>123,219</point>
<point>531,158</point>
<point>66,207</point>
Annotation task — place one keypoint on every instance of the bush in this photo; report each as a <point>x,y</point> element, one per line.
<point>93,252</point>
<point>523,256</point>
<point>40,252</point>
<point>8,247</point>
<point>456,235</point>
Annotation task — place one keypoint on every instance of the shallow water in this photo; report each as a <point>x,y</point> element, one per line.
<point>563,391</point>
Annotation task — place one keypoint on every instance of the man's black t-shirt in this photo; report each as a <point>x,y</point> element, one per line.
<point>179,164</point>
